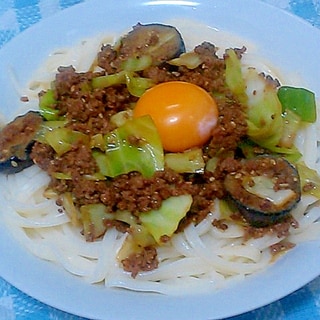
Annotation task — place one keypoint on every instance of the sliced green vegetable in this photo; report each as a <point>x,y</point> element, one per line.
<point>47,99</point>
<point>299,100</point>
<point>211,164</point>
<point>97,176</point>
<point>120,118</point>
<point>93,217</point>
<point>49,114</point>
<point>46,103</point>
<point>191,60</point>
<point>70,208</point>
<point>267,125</point>
<point>251,149</point>
<point>137,85</point>
<point>47,126</point>
<point>135,146</point>
<point>97,141</point>
<point>309,179</point>
<point>139,235</point>
<point>227,209</point>
<point>190,161</point>
<point>137,63</point>
<point>265,122</point>
<point>234,77</point>
<point>61,176</point>
<point>126,217</point>
<point>62,139</point>
<point>291,125</point>
<point>109,80</point>
<point>248,148</point>
<point>165,221</point>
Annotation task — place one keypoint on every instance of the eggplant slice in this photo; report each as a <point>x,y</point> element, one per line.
<point>161,42</point>
<point>16,140</point>
<point>265,189</point>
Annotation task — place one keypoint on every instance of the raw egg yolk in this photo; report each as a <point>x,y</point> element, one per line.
<point>184,114</point>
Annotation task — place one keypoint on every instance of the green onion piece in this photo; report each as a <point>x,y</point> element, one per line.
<point>50,114</point>
<point>137,85</point>
<point>61,176</point>
<point>299,100</point>
<point>46,101</point>
<point>108,80</point>
<point>137,63</point>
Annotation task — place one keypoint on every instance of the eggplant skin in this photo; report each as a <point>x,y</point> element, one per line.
<point>16,141</point>
<point>15,165</point>
<point>161,42</point>
<point>259,211</point>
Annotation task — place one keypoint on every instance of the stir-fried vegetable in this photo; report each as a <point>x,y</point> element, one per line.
<point>46,103</point>
<point>62,139</point>
<point>274,114</point>
<point>190,161</point>
<point>299,100</point>
<point>135,84</point>
<point>164,222</point>
<point>310,180</point>
<point>135,146</point>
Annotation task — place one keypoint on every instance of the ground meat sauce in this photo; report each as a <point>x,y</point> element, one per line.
<point>145,260</point>
<point>231,128</point>
<point>88,111</point>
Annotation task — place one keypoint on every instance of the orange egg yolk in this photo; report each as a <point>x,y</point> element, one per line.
<point>184,114</point>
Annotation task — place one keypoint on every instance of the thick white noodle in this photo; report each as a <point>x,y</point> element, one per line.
<point>201,257</point>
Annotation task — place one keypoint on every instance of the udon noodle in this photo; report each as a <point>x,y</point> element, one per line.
<point>201,256</point>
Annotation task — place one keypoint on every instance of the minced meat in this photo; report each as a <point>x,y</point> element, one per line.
<point>232,127</point>
<point>144,260</point>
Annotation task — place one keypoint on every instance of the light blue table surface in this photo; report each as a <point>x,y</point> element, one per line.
<point>18,15</point>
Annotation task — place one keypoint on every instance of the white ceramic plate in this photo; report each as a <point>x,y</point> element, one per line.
<point>285,40</point>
